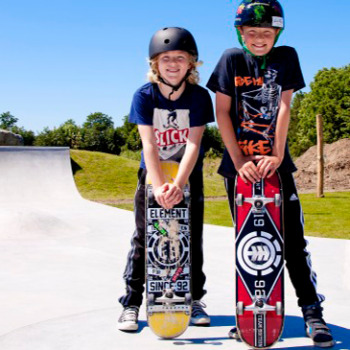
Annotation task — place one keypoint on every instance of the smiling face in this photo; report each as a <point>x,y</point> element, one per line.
<point>173,66</point>
<point>258,40</point>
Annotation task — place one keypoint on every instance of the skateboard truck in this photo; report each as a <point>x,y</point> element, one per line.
<point>169,297</point>
<point>259,306</point>
<point>169,302</point>
<point>258,202</point>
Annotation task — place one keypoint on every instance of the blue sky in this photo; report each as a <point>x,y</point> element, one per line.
<point>64,59</point>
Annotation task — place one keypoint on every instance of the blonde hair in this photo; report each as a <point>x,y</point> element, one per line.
<point>153,73</point>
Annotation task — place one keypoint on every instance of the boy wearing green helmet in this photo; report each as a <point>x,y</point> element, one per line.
<point>171,112</point>
<point>254,87</point>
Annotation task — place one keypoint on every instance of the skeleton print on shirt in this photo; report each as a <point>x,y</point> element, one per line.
<point>258,116</point>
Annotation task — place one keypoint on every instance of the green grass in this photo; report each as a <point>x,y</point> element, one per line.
<point>328,216</point>
<point>112,180</point>
<point>324,217</point>
<point>104,177</point>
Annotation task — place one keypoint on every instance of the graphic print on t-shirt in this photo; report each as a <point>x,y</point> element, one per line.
<point>171,128</point>
<point>258,116</point>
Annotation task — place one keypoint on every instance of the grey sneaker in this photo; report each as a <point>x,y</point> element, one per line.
<point>233,333</point>
<point>315,326</point>
<point>128,320</point>
<point>199,317</point>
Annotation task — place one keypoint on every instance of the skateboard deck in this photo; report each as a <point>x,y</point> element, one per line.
<point>168,262</point>
<point>259,261</point>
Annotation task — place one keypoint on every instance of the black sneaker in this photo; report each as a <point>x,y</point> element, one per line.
<point>199,317</point>
<point>315,326</point>
<point>128,320</point>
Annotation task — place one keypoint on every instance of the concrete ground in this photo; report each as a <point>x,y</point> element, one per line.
<point>62,260</point>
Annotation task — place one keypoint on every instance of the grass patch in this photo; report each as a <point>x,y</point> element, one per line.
<point>112,180</point>
<point>328,216</point>
<point>324,217</point>
<point>104,177</point>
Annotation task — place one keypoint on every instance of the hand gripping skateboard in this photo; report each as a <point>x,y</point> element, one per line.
<point>168,261</point>
<point>259,261</point>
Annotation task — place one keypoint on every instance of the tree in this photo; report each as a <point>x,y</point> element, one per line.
<point>293,125</point>
<point>28,135</point>
<point>98,134</point>
<point>98,121</point>
<point>330,97</point>
<point>212,141</point>
<point>7,121</point>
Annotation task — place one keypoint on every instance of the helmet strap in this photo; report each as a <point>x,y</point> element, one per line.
<point>174,87</point>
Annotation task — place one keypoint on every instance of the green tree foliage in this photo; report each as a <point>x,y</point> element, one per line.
<point>212,141</point>
<point>293,125</point>
<point>66,135</point>
<point>98,133</point>
<point>330,97</point>
<point>7,121</point>
<point>98,121</point>
<point>129,135</point>
<point>28,135</point>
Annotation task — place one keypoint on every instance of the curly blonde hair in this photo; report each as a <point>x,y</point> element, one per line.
<point>153,73</point>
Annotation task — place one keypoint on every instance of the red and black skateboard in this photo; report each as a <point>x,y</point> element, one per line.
<point>259,261</point>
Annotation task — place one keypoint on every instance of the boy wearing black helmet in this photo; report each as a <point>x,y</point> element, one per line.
<point>171,112</point>
<point>254,87</point>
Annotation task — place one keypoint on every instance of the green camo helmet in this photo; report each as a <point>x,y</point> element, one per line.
<point>260,13</point>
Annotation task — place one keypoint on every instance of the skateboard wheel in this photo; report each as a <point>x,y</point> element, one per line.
<point>150,299</point>
<point>240,308</point>
<point>278,200</point>
<point>279,308</point>
<point>239,199</point>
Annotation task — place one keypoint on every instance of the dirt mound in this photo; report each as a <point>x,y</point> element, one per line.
<point>337,168</point>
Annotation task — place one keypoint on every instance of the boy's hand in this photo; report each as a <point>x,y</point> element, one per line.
<point>159,195</point>
<point>173,195</point>
<point>267,165</point>
<point>247,169</point>
<point>168,195</point>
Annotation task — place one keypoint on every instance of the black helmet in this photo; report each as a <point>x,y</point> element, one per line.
<point>260,13</point>
<point>171,39</point>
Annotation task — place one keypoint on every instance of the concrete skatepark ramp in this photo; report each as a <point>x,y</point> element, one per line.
<point>62,260</point>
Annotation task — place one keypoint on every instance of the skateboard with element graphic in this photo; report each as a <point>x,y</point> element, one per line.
<point>259,261</point>
<point>168,261</point>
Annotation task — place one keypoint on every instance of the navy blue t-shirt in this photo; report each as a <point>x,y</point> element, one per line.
<point>171,120</point>
<point>256,94</point>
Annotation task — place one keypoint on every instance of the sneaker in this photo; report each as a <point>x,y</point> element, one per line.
<point>233,333</point>
<point>128,320</point>
<point>199,317</point>
<point>315,326</point>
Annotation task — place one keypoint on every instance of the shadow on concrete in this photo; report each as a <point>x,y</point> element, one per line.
<point>293,328</point>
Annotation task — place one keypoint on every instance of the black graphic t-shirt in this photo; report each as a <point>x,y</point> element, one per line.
<point>172,120</point>
<point>256,94</point>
